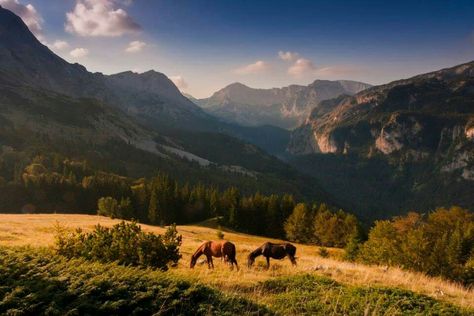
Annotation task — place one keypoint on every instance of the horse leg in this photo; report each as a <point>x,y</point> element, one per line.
<point>293,260</point>
<point>209,261</point>
<point>212,262</point>
<point>234,261</point>
<point>268,262</point>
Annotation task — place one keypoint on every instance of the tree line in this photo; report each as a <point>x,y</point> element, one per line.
<point>440,243</point>
<point>53,183</point>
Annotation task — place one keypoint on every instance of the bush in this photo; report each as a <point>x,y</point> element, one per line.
<point>220,234</point>
<point>124,243</point>
<point>38,282</point>
<point>323,252</point>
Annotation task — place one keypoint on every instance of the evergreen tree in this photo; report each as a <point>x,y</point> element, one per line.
<point>153,208</point>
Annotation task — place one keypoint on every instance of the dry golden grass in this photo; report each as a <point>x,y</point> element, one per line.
<point>39,230</point>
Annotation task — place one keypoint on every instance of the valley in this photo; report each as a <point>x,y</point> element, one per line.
<point>233,138</point>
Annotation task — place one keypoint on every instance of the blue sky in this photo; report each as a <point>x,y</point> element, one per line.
<point>205,45</point>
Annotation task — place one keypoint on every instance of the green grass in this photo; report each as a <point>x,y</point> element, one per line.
<point>37,282</point>
<point>307,294</point>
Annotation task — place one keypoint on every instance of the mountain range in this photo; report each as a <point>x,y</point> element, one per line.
<point>377,151</point>
<point>138,123</point>
<point>285,107</point>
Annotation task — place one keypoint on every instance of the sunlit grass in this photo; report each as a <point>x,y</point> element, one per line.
<point>39,230</point>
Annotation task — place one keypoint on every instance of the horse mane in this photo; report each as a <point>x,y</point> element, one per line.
<point>257,252</point>
<point>200,250</point>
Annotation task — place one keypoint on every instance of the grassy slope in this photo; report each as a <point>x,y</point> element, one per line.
<point>37,282</point>
<point>310,286</point>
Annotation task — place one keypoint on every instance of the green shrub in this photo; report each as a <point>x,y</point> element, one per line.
<point>39,282</point>
<point>308,294</point>
<point>124,243</point>
<point>108,206</point>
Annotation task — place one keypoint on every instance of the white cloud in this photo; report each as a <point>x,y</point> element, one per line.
<point>79,52</point>
<point>338,70</point>
<point>60,45</point>
<point>254,68</point>
<point>179,82</point>
<point>99,18</point>
<point>301,67</point>
<point>27,13</point>
<point>135,47</point>
<point>288,56</point>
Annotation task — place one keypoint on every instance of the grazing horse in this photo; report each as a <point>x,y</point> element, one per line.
<point>220,249</point>
<point>274,251</point>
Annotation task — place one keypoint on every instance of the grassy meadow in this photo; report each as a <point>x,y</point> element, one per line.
<point>316,286</point>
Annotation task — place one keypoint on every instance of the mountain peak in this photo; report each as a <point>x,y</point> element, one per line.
<point>13,30</point>
<point>236,85</point>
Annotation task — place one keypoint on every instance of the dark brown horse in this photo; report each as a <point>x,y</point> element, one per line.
<point>274,251</point>
<point>219,249</point>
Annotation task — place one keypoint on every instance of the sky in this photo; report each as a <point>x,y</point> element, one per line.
<point>204,45</point>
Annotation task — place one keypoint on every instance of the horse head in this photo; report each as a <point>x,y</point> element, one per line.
<point>250,260</point>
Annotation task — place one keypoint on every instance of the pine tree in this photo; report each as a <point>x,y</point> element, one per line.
<point>153,208</point>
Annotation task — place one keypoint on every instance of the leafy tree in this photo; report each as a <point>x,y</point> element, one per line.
<point>108,206</point>
<point>298,225</point>
<point>440,243</point>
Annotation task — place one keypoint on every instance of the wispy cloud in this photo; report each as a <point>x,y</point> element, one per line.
<point>288,56</point>
<point>179,82</point>
<point>135,47</point>
<point>79,52</point>
<point>99,18</point>
<point>60,45</point>
<point>302,67</point>
<point>27,13</point>
<point>337,70</point>
<point>257,67</point>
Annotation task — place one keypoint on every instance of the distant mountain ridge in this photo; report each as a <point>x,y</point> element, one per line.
<point>284,107</point>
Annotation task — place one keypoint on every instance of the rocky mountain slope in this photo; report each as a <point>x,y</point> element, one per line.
<point>284,107</point>
<point>423,122</point>
<point>138,123</point>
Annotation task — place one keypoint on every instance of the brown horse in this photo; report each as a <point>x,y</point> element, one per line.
<point>219,249</point>
<point>274,251</point>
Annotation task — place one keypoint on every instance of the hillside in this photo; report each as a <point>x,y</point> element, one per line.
<point>412,137</point>
<point>285,107</point>
<point>380,289</point>
<point>131,124</point>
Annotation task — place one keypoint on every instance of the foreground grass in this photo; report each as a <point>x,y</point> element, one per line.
<point>37,282</point>
<point>38,231</point>
<point>314,295</point>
